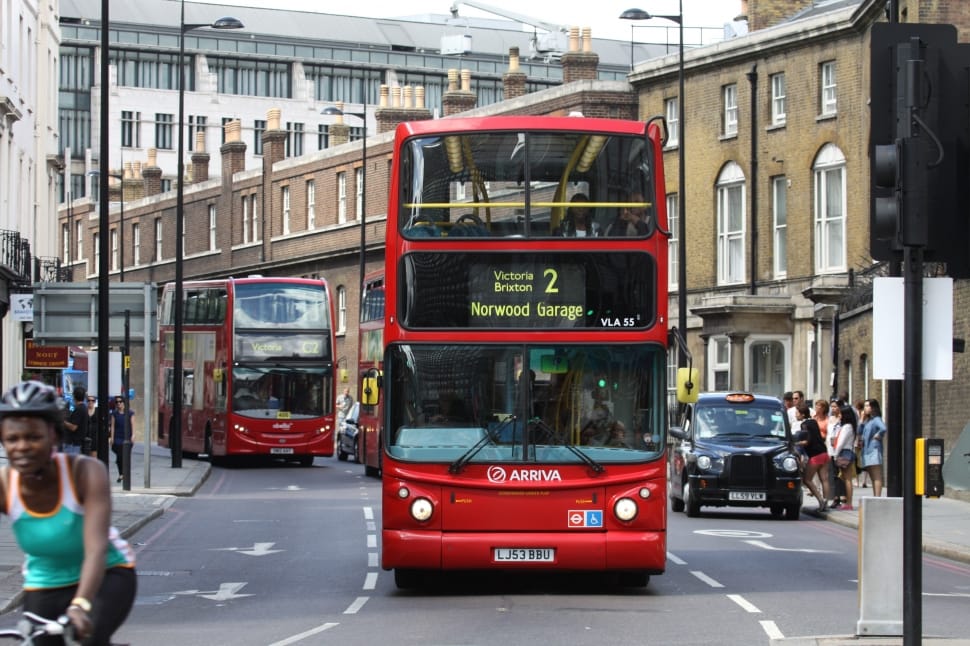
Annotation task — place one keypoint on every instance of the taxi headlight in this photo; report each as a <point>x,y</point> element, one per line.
<point>704,462</point>
<point>625,509</point>
<point>790,464</point>
<point>421,509</point>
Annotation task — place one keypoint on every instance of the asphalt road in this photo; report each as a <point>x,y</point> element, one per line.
<point>274,555</point>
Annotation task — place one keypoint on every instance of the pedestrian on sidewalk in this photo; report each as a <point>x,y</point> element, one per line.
<point>872,452</point>
<point>119,426</point>
<point>818,457</point>
<point>77,423</point>
<point>846,442</point>
<point>90,444</point>
<point>59,507</point>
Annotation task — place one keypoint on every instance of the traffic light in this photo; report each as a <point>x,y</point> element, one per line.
<point>919,137</point>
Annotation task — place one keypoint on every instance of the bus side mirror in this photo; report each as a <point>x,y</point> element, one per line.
<point>687,385</point>
<point>368,391</point>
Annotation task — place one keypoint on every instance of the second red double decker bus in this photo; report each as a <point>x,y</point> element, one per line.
<point>258,368</point>
<point>525,344</point>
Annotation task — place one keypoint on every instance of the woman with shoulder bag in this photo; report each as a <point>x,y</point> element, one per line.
<point>845,455</point>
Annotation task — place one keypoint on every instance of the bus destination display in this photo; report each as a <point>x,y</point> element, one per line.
<point>538,290</point>
<point>526,294</point>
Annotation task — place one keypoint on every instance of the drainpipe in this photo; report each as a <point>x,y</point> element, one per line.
<point>753,80</point>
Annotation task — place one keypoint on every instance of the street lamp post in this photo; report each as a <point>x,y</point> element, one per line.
<point>639,14</point>
<point>175,436</point>
<point>335,111</point>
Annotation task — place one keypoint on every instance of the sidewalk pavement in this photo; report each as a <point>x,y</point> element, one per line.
<point>946,529</point>
<point>149,496</point>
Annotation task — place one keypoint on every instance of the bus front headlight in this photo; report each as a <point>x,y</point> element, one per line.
<point>421,509</point>
<point>625,509</point>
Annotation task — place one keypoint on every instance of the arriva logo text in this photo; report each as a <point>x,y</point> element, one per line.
<point>282,426</point>
<point>499,474</point>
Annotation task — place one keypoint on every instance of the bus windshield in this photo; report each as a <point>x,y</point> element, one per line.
<point>579,402</point>
<point>280,393</point>
<point>277,305</point>
<point>526,184</point>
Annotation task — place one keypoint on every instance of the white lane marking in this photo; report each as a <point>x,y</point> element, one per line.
<point>771,629</point>
<point>675,559</point>
<point>368,513</point>
<point>370,581</point>
<point>744,603</point>
<point>371,559</point>
<point>372,540</point>
<point>307,633</point>
<point>706,579</point>
<point>356,605</point>
<point>807,550</point>
<point>732,533</point>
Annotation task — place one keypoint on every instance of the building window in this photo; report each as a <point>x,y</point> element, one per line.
<point>96,239</point>
<point>779,218</point>
<point>673,224</point>
<point>79,239</point>
<point>767,367</point>
<point>130,133</point>
<point>730,225</point>
<point>65,243</point>
<point>323,136</point>
<point>673,122</point>
<point>827,95</point>
<point>255,211</point>
<point>196,125</point>
<point>311,204</point>
<point>158,239</point>
<point>245,219</point>
<point>294,139</point>
<point>830,207</point>
<point>212,227</point>
<point>779,101</point>
<point>285,195</point>
<point>259,127</point>
<point>359,191</point>
<point>730,100</point>
<point>113,238</point>
<point>719,373</point>
<point>164,124</point>
<point>135,244</point>
<point>341,310</point>
<point>341,198</point>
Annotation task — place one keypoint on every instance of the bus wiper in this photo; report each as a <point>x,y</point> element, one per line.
<point>590,462</point>
<point>490,436</point>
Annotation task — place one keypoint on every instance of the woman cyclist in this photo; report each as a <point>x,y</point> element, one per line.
<point>60,510</point>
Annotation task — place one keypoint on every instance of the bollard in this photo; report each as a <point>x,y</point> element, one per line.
<point>880,567</point>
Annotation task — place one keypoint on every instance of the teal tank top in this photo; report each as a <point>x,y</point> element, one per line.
<point>53,542</point>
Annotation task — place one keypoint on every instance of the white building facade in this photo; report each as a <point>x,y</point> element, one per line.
<point>29,163</point>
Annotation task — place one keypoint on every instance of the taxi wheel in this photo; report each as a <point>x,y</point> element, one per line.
<point>676,504</point>
<point>693,508</point>
<point>793,511</point>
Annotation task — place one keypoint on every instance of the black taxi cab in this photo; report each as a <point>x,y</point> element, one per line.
<point>734,449</point>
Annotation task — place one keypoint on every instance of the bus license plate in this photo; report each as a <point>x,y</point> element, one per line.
<point>525,554</point>
<point>281,451</point>
<point>747,495</point>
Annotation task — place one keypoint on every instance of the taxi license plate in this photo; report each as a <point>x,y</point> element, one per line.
<point>524,554</point>
<point>281,451</point>
<point>746,495</point>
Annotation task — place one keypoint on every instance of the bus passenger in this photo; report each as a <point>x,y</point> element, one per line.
<point>578,222</point>
<point>632,220</point>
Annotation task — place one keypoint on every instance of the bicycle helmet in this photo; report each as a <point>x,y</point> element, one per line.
<point>33,399</point>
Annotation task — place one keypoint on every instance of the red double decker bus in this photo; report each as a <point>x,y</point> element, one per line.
<point>258,368</point>
<point>370,367</point>
<point>525,342</point>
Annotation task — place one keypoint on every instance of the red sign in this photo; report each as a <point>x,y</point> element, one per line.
<point>51,357</point>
